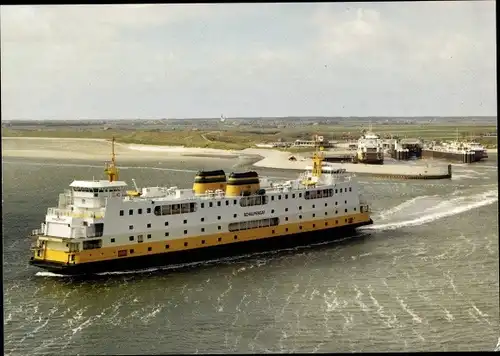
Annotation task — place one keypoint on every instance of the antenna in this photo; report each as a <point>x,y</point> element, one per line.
<point>113,151</point>
<point>135,185</point>
<point>318,156</point>
<point>110,169</point>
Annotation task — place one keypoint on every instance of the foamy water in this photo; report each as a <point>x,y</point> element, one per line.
<point>445,208</point>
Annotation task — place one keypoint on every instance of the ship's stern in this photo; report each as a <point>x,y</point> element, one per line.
<point>52,254</point>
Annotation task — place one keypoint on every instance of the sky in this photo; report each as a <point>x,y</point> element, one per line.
<point>248,60</point>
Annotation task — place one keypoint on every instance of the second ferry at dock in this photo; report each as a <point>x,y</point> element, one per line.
<point>369,149</point>
<point>101,226</point>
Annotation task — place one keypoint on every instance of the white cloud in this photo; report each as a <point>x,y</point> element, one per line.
<point>353,32</point>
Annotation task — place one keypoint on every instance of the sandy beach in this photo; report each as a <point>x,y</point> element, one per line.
<point>100,150</point>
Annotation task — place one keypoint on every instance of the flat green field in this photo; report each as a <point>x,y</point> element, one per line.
<point>235,138</point>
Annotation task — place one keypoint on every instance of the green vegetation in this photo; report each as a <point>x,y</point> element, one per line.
<point>237,138</point>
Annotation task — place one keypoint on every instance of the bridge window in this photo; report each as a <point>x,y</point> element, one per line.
<point>253,200</point>
<point>253,224</point>
<point>174,209</point>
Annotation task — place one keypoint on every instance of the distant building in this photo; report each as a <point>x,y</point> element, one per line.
<point>310,143</point>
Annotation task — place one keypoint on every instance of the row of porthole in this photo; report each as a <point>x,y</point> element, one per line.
<point>131,227</point>
<point>219,239</point>
<point>219,227</point>
<point>148,210</point>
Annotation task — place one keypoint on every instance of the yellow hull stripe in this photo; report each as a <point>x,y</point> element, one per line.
<point>149,248</point>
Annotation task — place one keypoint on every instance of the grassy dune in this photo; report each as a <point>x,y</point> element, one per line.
<point>235,138</point>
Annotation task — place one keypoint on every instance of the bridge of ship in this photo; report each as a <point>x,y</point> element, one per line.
<point>80,209</point>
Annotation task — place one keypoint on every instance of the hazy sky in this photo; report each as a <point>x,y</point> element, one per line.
<point>154,61</point>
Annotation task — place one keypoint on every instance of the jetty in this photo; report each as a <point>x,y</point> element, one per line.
<point>394,170</point>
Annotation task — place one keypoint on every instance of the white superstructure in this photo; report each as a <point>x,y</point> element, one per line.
<point>99,220</point>
<point>370,148</point>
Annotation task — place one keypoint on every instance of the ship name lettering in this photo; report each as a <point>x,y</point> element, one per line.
<point>252,213</point>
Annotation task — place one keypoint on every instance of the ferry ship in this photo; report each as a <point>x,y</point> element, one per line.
<point>101,226</point>
<point>370,149</point>
<point>465,152</point>
<point>479,150</point>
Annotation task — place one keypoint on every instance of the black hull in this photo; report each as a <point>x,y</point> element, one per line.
<point>371,161</point>
<point>455,157</point>
<point>201,254</point>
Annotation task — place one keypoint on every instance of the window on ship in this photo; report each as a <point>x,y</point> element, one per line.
<point>253,224</point>
<point>254,200</point>
<point>174,209</point>
<point>319,193</point>
<point>92,244</point>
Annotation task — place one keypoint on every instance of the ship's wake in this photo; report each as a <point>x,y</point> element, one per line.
<point>430,208</point>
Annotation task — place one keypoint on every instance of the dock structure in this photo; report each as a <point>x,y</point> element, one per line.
<point>400,170</point>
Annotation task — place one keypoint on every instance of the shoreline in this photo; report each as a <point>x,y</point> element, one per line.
<point>100,149</point>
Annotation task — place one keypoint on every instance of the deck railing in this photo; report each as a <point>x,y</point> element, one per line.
<point>75,214</point>
<point>38,232</point>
